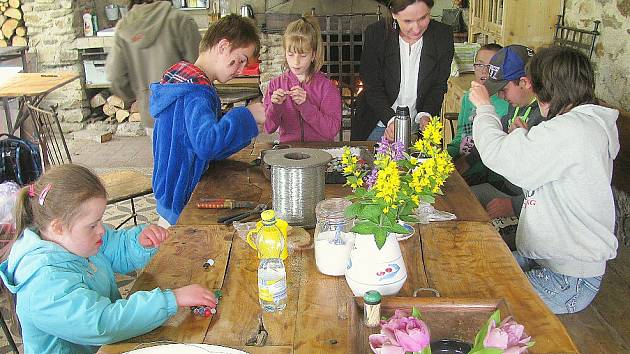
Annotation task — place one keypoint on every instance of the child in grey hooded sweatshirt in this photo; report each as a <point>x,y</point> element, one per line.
<point>564,165</point>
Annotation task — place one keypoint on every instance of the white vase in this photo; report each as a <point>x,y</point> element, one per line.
<point>372,269</point>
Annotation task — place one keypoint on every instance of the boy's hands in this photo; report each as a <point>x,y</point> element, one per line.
<point>153,236</point>
<point>279,96</point>
<point>195,295</point>
<point>298,95</point>
<point>518,123</point>
<point>500,208</point>
<point>258,111</point>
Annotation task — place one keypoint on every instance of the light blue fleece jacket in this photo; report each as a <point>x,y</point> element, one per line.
<point>190,133</point>
<point>70,304</point>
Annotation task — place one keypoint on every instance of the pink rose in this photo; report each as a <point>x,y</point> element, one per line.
<point>401,333</point>
<point>508,336</point>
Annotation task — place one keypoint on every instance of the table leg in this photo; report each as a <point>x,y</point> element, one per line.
<point>7,114</point>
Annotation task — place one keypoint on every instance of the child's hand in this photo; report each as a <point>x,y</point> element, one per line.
<point>500,208</point>
<point>195,295</point>
<point>479,94</point>
<point>390,131</point>
<point>278,96</point>
<point>298,95</point>
<point>518,123</point>
<point>152,236</point>
<point>258,111</point>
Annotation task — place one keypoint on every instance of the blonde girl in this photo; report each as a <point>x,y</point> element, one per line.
<point>61,268</point>
<point>302,104</point>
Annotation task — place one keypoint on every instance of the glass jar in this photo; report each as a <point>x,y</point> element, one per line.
<point>333,238</point>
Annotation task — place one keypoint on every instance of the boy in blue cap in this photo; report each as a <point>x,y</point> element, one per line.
<point>190,130</point>
<point>508,80</point>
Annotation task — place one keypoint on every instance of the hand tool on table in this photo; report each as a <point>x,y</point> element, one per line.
<point>219,203</point>
<point>226,220</point>
<point>259,339</point>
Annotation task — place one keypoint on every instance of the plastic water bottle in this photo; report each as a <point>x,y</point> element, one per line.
<point>272,276</point>
<point>402,125</point>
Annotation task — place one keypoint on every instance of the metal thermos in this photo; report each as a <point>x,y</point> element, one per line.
<point>247,11</point>
<point>402,125</point>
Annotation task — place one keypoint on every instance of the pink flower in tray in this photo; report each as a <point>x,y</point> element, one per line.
<point>508,336</point>
<point>400,334</point>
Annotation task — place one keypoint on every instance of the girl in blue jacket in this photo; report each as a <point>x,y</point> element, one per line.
<point>62,266</point>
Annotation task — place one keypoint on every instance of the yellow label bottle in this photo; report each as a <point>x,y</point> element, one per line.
<point>266,237</point>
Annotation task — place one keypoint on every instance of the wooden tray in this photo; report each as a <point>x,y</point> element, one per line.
<point>452,318</point>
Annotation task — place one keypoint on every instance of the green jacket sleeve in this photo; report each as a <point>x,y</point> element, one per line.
<point>464,114</point>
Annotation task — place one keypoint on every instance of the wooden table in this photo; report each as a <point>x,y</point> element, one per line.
<point>31,88</point>
<point>464,258</point>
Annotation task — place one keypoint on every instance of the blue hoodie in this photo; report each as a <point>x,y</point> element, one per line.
<point>189,133</point>
<point>69,304</point>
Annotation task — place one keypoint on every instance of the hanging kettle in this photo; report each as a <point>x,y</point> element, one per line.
<point>247,11</point>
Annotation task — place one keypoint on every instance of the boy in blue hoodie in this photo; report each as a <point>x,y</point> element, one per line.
<point>190,130</point>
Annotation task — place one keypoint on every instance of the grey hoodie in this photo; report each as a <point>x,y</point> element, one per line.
<point>565,167</point>
<point>149,39</point>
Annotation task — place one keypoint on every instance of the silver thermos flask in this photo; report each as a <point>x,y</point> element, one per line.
<point>402,125</point>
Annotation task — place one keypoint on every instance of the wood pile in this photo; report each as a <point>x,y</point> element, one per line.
<point>12,28</point>
<point>113,108</point>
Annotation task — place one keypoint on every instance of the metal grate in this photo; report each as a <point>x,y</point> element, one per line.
<point>583,40</point>
<point>342,36</point>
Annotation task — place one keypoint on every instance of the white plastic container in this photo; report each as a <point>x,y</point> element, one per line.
<point>88,29</point>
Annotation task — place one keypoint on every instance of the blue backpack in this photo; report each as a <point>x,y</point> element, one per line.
<point>20,160</point>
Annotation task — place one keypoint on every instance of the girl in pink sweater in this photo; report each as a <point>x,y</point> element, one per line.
<point>302,103</point>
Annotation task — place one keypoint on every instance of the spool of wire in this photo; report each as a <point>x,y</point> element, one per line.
<point>297,183</point>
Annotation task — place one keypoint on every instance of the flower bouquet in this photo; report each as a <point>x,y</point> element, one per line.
<point>406,332</point>
<point>397,183</point>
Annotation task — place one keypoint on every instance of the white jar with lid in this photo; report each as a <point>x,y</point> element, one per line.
<point>333,238</point>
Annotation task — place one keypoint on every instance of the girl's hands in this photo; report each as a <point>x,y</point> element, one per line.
<point>298,95</point>
<point>195,295</point>
<point>153,236</point>
<point>279,96</point>
<point>479,94</point>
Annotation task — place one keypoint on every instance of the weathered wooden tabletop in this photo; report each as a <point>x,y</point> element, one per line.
<point>34,84</point>
<point>464,259</point>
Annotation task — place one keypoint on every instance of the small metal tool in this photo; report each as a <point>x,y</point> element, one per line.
<point>226,220</point>
<point>219,203</point>
<point>260,338</point>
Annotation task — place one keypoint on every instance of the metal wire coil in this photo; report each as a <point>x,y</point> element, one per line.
<point>297,183</point>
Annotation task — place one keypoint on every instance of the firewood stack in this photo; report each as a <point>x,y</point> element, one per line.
<point>113,108</point>
<point>12,28</point>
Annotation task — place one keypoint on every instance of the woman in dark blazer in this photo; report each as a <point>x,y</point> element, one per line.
<point>409,22</point>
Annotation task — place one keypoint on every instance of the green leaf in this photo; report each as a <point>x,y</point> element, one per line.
<point>380,236</point>
<point>416,313</point>
<point>353,210</point>
<point>360,192</point>
<point>409,218</point>
<point>372,212</point>
<point>486,351</point>
<point>428,198</point>
<point>399,229</point>
<point>366,228</point>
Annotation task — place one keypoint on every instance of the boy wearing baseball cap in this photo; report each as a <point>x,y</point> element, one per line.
<point>507,79</point>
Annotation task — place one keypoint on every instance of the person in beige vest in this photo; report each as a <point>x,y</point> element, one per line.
<point>149,39</point>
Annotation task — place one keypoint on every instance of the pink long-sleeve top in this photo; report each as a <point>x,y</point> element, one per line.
<point>317,119</point>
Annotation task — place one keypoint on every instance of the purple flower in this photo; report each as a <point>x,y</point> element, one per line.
<point>397,151</point>
<point>401,333</point>
<point>383,146</point>
<point>371,178</point>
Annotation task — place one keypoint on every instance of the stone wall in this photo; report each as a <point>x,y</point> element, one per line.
<point>52,31</point>
<point>271,57</point>
<point>612,48</point>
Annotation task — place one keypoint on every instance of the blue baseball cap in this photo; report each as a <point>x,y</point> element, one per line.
<point>506,65</point>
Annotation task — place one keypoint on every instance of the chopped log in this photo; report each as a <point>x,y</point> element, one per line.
<point>134,107</point>
<point>121,115</point>
<point>3,7</point>
<point>135,117</point>
<point>20,31</point>
<point>2,18</point>
<point>99,99</point>
<point>3,1</point>
<point>14,3</point>
<point>116,101</point>
<point>9,26</point>
<point>109,110</point>
<point>17,41</point>
<point>3,43</point>
<point>13,13</point>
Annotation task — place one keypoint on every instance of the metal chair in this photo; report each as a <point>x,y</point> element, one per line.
<point>120,185</point>
<point>583,40</point>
